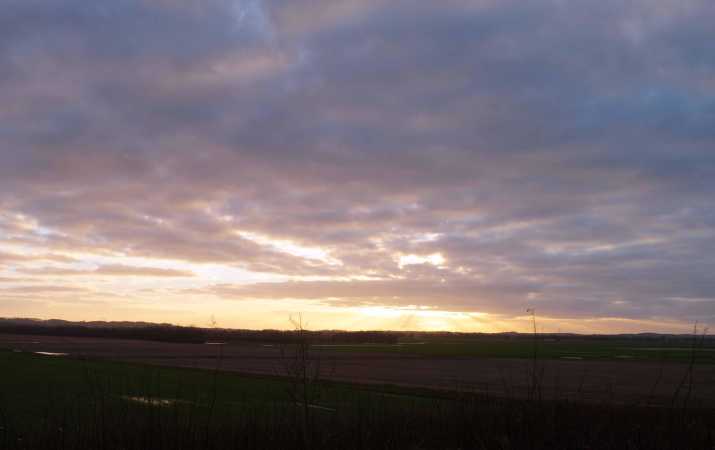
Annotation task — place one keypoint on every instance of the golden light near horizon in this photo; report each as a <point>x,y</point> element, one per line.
<point>425,318</point>
<point>80,275</point>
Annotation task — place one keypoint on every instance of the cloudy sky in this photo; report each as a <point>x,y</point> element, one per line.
<point>369,163</point>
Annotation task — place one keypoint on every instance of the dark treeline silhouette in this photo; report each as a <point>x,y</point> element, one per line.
<point>190,334</point>
<point>174,333</point>
<point>142,331</point>
<point>327,337</point>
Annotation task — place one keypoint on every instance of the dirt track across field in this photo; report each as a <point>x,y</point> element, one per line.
<point>617,381</point>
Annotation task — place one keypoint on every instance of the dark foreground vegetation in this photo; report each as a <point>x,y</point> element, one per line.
<point>49,402</point>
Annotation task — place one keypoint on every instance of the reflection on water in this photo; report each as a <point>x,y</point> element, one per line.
<point>50,353</point>
<point>151,401</point>
<point>571,357</point>
<point>322,408</point>
<point>214,343</point>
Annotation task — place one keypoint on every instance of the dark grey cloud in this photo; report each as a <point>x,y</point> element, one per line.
<point>556,154</point>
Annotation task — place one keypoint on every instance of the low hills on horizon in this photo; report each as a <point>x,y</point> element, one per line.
<point>176,333</point>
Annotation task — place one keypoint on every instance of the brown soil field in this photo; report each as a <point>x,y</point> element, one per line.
<point>611,381</point>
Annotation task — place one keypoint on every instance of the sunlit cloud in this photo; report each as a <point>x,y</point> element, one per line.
<point>291,248</point>
<point>436,259</point>
<point>112,270</point>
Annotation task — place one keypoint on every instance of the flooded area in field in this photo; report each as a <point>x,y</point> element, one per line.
<point>322,408</point>
<point>153,401</point>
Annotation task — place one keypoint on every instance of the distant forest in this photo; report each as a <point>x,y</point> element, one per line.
<point>173,333</point>
<point>188,334</point>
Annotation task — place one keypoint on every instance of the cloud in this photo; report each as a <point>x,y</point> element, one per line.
<point>556,155</point>
<point>8,257</point>
<point>458,295</point>
<point>112,270</point>
<point>13,280</point>
<point>118,270</point>
<point>40,290</point>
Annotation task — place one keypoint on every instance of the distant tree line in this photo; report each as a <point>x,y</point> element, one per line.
<point>326,337</point>
<point>190,334</point>
<point>174,333</point>
<point>160,332</point>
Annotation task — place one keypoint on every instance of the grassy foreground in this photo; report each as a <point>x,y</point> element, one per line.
<point>61,403</point>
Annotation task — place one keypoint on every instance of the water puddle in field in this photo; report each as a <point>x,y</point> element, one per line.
<point>572,357</point>
<point>50,353</point>
<point>214,343</point>
<point>318,407</point>
<point>151,401</point>
<point>322,408</point>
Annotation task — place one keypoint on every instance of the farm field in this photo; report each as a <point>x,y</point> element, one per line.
<point>496,368</point>
<point>59,392</point>
<point>572,349</point>
<point>52,401</point>
<point>34,385</point>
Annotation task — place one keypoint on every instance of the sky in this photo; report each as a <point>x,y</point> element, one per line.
<point>371,164</point>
